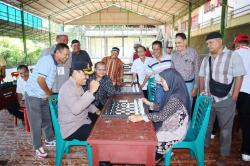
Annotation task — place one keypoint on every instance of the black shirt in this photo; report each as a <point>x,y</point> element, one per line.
<point>82,59</point>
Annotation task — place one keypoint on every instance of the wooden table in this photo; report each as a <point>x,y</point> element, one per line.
<point>122,141</point>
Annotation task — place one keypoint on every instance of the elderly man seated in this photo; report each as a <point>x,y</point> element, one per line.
<point>106,88</point>
<point>75,111</point>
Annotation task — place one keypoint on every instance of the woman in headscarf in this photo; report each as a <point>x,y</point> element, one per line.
<point>171,122</point>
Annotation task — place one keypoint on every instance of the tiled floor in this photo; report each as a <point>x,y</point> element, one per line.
<point>16,149</point>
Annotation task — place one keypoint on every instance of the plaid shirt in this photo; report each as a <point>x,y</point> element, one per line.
<point>187,65</point>
<point>106,89</point>
<point>114,69</point>
<point>225,67</point>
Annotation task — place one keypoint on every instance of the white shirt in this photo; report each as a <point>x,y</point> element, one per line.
<point>139,68</point>
<point>244,53</point>
<point>20,87</point>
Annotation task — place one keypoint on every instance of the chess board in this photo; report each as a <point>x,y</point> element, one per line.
<point>134,89</point>
<point>121,109</point>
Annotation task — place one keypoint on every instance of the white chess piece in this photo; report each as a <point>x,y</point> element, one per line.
<point>140,102</point>
<point>136,107</point>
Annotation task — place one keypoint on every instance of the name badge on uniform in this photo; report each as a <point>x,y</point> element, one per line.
<point>60,71</point>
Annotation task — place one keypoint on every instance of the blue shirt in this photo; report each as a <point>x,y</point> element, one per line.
<point>45,67</point>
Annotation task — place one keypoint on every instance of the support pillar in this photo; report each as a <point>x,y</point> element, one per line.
<point>189,21</point>
<point>223,19</point>
<point>24,35</point>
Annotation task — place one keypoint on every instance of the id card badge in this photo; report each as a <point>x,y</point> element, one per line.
<point>60,71</point>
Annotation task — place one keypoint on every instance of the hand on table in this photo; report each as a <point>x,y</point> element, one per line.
<point>135,118</point>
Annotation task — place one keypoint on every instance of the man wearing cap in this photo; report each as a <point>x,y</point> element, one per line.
<point>38,89</point>
<point>75,111</point>
<point>114,67</point>
<point>221,74</point>
<point>186,61</point>
<point>241,43</point>
<point>79,57</point>
<point>62,69</point>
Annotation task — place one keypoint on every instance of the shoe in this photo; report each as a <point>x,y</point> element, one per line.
<point>245,157</point>
<point>222,161</point>
<point>212,136</point>
<point>50,143</point>
<point>40,153</point>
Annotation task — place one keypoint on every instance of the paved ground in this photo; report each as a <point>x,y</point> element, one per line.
<point>16,149</point>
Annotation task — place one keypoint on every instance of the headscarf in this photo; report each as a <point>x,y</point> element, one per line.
<point>177,88</point>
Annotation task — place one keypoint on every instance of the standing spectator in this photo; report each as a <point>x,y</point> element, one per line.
<point>38,89</point>
<point>80,57</point>
<point>185,61</point>
<point>136,55</point>
<point>114,67</point>
<point>169,48</point>
<point>14,109</point>
<point>243,104</point>
<point>221,76</point>
<point>63,70</point>
<point>156,65</point>
<point>2,68</point>
<point>139,67</point>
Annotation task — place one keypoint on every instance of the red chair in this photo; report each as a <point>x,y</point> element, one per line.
<point>14,74</point>
<point>26,121</point>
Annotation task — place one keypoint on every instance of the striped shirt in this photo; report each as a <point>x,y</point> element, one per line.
<point>45,67</point>
<point>155,66</point>
<point>114,68</point>
<point>225,67</point>
<point>187,65</point>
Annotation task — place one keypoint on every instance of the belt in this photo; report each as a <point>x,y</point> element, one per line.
<point>189,81</point>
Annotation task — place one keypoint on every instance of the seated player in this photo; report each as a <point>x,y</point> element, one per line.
<point>14,109</point>
<point>106,88</point>
<point>23,72</point>
<point>74,106</point>
<point>171,122</point>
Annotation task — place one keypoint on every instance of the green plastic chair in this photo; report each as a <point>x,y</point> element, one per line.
<point>151,89</point>
<point>195,137</point>
<point>61,144</point>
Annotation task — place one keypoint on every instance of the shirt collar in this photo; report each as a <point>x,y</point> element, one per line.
<point>53,56</point>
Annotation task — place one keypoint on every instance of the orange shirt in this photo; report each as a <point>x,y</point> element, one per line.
<point>114,68</point>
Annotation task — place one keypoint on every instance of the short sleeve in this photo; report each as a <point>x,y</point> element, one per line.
<point>133,68</point>
<point>238,66</point>
<point>18,86</point>
<point>43,66</point>
<point>149,70</point>
<point>202,68</point>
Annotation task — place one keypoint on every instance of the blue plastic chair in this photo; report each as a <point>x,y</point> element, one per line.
<point>151,89</point>
<point>61,144</point>
<point>195,137</point>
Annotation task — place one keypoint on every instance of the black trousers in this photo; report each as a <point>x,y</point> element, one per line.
<point>243,106</point>
<point>84,131</point>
